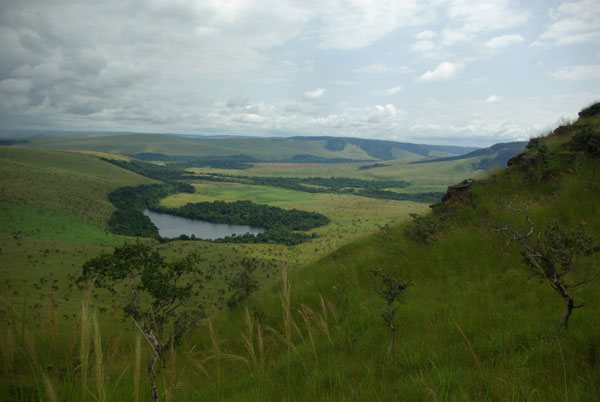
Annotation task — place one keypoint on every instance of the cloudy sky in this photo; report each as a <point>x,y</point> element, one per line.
<point>472,72</point>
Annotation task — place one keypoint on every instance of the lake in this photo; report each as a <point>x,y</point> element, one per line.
<point>171,226</point>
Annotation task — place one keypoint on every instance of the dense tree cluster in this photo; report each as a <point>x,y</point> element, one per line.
<point>280,224</point>
<point>130,202</point>
<point>248,213</point>
<point>271,236</point>
<point>164,173</point>
<point>372,166</point>
<point>12,142</point>
<point>236,162</point>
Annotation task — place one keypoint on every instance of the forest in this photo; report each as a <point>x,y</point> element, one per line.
<point>236,162</point>
<point>281,224</point>
<point>130,202</point>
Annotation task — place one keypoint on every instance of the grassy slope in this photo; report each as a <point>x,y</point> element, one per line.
<point>473,327</point>
<point>47,224</point>
<point>70,182</point>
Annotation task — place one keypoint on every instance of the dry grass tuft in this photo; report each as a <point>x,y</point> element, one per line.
<point>98,361</point>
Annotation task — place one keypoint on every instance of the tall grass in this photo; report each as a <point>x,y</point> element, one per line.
<point>137,367</point>
<point>98,361</point>
<point>84,348</point>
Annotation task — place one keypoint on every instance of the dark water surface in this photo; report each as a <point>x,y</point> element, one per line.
<point>174,226</point>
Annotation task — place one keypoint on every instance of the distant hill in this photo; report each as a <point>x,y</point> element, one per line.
<point>386,150</point>
<point>495,156</point>
<point>294,149</point>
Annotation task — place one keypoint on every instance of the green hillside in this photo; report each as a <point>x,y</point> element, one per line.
<point>71,182</point>
<point>479,320</point>
<point>474,324</point>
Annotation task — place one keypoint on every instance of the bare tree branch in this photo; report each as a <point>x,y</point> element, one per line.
<point>554,256</point>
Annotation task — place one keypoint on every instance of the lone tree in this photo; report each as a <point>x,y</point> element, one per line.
<point>553,256</point>
<point>391,291</point>
<point>243,283</point>
<point>154,292</point>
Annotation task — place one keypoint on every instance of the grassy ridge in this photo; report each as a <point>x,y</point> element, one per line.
<point>474,327</point>
<point>47,224</point>
<point>277,149</point>
<point>70,182</point>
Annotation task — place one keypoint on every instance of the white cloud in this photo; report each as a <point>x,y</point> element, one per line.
<point>15,86</point>
<point>423,46</point>
<point>492,99</point>
<point>575,23</point>
<point>578,73</point>
<point>345,83</point>
<point>503,41</point>
<point>314,94</point>
<point>444,71</point>
<point>426,35</point>
<point>354,24</point>
<point>452,36</point>
<point>389,91</point>
<point>377,68</point>
<point>475,16</point>
<point>248,118</point>
<point>381,113</point>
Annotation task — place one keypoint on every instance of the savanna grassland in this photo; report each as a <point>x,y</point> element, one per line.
<point>55,209</point>
<point>473,322</point>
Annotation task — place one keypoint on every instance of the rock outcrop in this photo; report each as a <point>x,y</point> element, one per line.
<point>460,192</point>
<point>586,141</point>
<point>524,161</point>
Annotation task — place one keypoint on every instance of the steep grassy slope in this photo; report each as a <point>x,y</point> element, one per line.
<point>71,182</point>
<point>474,325</point>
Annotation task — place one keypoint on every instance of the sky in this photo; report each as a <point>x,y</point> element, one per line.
<point>457,72</point>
